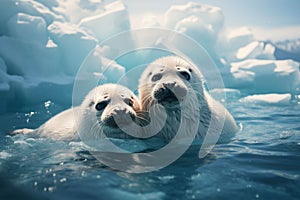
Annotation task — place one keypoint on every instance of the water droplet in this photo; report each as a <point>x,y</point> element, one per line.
<point>50,189</point>
<point>54,175</point>
<point>83,173</point>
<point>218,190</point>
<point>35,183</point>
<point>47,104</point>
<point>63,180</point>
<point>257,196</point>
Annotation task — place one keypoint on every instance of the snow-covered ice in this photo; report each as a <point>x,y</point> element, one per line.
<point>256,49</point>
<point>199,21</point>
<point>274,99</point>
<point>28,28</point>
<point>112,21</point>
<point>266,76</point>
<point>44,43</point>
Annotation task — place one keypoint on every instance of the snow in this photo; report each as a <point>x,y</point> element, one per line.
<point>256,49</point>
<point>209,14</point>
<point>76,10</point>
<point>43,45</point>
<point>274,99</point>
<point>114,20</point>
<point>199,21</point>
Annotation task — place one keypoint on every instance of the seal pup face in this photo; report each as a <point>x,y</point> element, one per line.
<point>168,81</point>
<point>108,107</point>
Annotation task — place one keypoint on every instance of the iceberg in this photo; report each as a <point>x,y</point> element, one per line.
<point>73,42</point>
<point>240,37</point>
<point>114,20</point>
<point>230,41</point>
<point>28,28</point>
<point>76,10</point>
<point>199,21</point>
<point>43,44</point>
<point>10,8</point>
<point>265,76</point>
<point>272,99</point>
<point>256,50</point>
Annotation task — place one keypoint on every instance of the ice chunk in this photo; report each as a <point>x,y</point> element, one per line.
<point>256,49</point>
<point>240,37</point>
<point>102,68</point>
<point>35,8</point>
<point>196,28</point>
<point>208,14</point>
<point>73,42</point>
<point>199,21</point>
<point>33,74</point>
<point>278,99</point>
<point>114,20</point>
<point>266,76</point>
<point>49,4</point>
<point>28,28</point>
<point>76,10</point>
<point>29,59</point>
<point>230,41</point>
<point>10,8</point>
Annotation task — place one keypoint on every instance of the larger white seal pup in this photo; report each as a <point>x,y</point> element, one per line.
<point>94,117</point>
<point>170,82</point>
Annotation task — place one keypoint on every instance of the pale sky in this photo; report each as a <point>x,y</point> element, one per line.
<point>269,19</point>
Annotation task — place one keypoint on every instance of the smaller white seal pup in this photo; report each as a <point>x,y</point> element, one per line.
<point>103,110</point>
<point>170,82</point>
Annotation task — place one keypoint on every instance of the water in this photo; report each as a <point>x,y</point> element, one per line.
<point>263,162</point>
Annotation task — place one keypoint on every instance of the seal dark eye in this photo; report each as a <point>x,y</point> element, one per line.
<point>129,102</point>
<point>185,75</point>
<point>101,105</point>
<point>156,77</point>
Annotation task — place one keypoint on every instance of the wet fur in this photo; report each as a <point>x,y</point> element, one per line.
<point>208,109</point>
<point>85,121</point>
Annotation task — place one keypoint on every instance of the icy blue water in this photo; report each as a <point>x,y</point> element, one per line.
<point>263,162</point>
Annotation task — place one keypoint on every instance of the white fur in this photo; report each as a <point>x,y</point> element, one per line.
<point>85,121</point>
<point>203,107</point>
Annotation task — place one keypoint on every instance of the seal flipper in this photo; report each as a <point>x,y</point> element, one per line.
<point>23,131</point>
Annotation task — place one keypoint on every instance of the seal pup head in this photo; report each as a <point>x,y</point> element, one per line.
<point>168,81</point>
<point>105,110</point>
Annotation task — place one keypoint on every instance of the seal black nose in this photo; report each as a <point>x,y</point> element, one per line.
<point>164,94</point>
<point>170,92</point>
<point>120,117</point>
